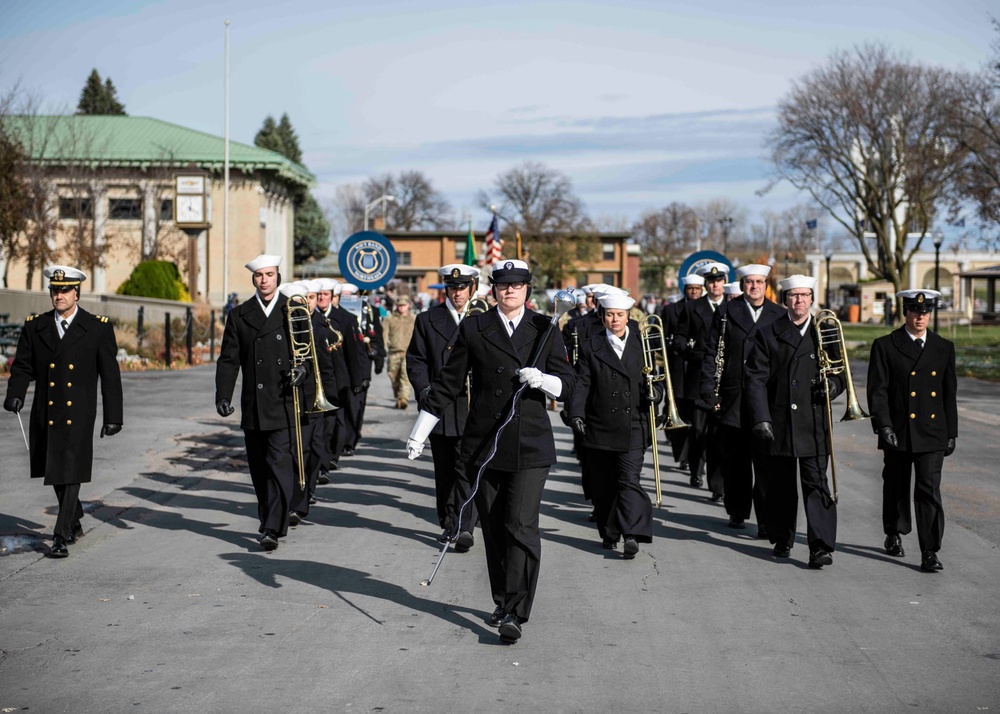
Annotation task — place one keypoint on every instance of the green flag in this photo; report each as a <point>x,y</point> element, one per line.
<point>470,248</point>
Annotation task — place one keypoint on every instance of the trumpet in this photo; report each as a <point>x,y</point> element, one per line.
<point>651,329</point>
<point>830,333</point>
<point>303,348</point>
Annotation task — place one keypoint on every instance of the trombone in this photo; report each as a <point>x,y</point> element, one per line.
<point>650,330</point>
<point>830,332</point>
<point>303,347</point>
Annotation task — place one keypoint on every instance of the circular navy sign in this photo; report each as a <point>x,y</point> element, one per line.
<point>367,259</point>
<point>704,257</point>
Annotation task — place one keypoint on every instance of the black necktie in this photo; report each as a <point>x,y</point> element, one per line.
<point>511,323</point>
<point>920,343</point>
<point>65,326</point>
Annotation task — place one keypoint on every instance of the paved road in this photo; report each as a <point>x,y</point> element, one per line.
<point>167,604</point>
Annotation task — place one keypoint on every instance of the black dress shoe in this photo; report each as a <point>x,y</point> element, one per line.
<point>496,618</point>
<point>324,478</point>
<point>894,545</point>
<point>696,482</point>
<point>465,541</point>
<point>609,544</point>
<point>58,549</point>
<point>761,533</point>
<point>819,558</point>
<point>683,465</point>
<point>737,523</point>
<point>77,534</point>
<point>782,551</point>
<point>348,451</point>
<point>630,549</point>
<point>592,518</point>
<point>510,629</point>
<point>333,466</point>
<point>269,540</point>
<point>294,519</point>
<point>929,562</point>
<point>312,500</point>
<point>718,497</point>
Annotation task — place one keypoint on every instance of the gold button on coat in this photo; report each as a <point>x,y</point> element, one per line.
<point>933,415</point>
<point>51,423</point>
<point>52,384</point>
<point>69,404</point>
<point>50,403</point>
<point>52,366</point>
<point>933,374</point>
<point>69,384</point>
<point>913,416</point>
<point>68,422</point>
<point>933,394</point>
<point>913,394</point>
<point>913,374</point>
<point>71,366</point>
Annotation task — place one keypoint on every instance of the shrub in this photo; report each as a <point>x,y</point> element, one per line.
<point>155,279</point>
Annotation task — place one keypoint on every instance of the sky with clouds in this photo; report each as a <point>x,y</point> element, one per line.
<point>639,102</point>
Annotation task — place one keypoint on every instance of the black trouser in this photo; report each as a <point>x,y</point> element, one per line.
<point>896,473</point>
<point>273,472</point>
<point>509,502</point>
<point>340,428</point>
<point>682,445</point>
<point>312,452</point>
<point>70,509</point>
<point>356,418</point>
<point>782,507</point>
<point>451,485</point>
<point>621,505</point>
<point>714,458</point>
<point>744,473</point>
<point>697,441</point>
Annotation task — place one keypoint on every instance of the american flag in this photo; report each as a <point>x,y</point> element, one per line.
<point>494,245</point>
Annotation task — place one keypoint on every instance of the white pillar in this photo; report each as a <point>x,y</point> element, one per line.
<point>201,250</point>
<point>862,270</point>
<point>150,218</point>
<point>99,196</point>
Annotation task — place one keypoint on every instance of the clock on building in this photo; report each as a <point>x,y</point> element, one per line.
<point>189,201</point>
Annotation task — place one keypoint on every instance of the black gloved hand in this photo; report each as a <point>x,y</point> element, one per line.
<point>365,383</point>
<point>379,365</point>
<point>657,393</point>
<point>224,408</point>
<point>819,396</point>
<point>298,375</point>
<point>110,429</point>
<point>13,404</point>
<point>577,424</point>
<point>763,431</point>
<point>887,435</point>
<point>564,416</point>
<point>951,447</point>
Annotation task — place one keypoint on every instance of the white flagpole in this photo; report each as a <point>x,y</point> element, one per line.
<point>225,180</point>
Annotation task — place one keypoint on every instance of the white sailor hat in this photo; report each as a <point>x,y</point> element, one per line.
<point>919,300</point>
<point>60,276</point>
<point>732,289</point>
<point>581,297</point>
<point>753,269</point>
<point>511,271</point>
<point>483,290</point>
<point>457,274</point>
<point>311,286</point>
<point>348,289</point>
<point>797,281</point>
<point>588,289</point>
<point>292,289</point>
<point>616,302</point>
<point>676,297</point>
<point>327,284</point>
<point>714,271</point>
<point>692,279</point>
<point>264,261</point>
<point>609,290</point>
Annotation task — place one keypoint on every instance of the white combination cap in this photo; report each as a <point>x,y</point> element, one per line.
<point>63,276</point>
<point>753,269</point>
<point>458,273</point>
<point>711,271</point>
<point>264,261</point>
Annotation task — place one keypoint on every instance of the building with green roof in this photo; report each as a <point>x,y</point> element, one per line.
<point>119,189</point>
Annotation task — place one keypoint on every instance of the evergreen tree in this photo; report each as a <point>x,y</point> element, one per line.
<point>289,140</point>
<point>268,138</point>
<point>312,230</point>
<point>99,98</point>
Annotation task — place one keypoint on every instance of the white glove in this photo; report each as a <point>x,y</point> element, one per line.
<point>422,428</point>
<point>532,375</point>
<point>537,379</point>
<point>414,448</point>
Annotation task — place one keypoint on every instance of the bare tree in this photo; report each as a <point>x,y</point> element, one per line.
<point>538,204</point>
<point>15,197</point>
<point>416,204</point>
<point>976,125</point>
<point>866,137</point>
<point>723,224</point>
<point>666,236</point>
<point>346,211</point>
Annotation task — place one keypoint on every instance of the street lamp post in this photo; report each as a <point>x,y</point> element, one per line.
<point>381,199</point>
<point>938,242</point>
<point>726,224</point>
<point>829,299</point>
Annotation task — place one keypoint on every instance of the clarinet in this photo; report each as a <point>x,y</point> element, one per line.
<point>720,359</point>
<point>576,344</point>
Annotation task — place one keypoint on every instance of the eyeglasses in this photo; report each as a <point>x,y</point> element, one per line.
<point>799,296</point>
<point>511,286</point>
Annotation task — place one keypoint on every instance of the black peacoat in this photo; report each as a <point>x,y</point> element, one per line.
<point>258,344</point>
<point>608,395</point>
<point>693,325</point>
<point>913,390</point>
<point>739,339</point>
<point>484,347</point>
<point>434,335</point>
<point>64,410</point>
<point>782,387</point>
<point>347,325</point>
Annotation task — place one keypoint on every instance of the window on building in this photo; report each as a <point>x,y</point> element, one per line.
<point>76,209</point>
<point>609,279</point>
<point>582,280</point>
<point>608,252</point>
<point>167,209</point>
<point>408,285</point>
<point>459,252</point>
<point>124,209</point>
<point>404,258</point>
